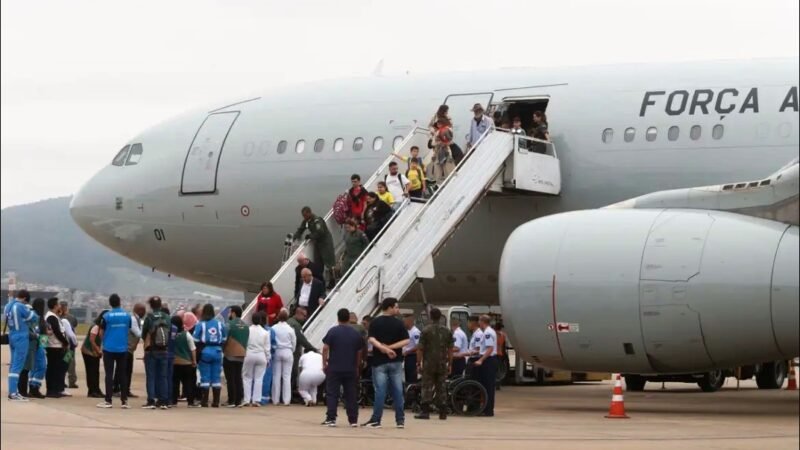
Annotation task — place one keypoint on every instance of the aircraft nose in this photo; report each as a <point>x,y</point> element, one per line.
<point>80,208</point>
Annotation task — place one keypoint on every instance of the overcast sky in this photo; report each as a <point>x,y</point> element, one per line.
<point>80,77</point>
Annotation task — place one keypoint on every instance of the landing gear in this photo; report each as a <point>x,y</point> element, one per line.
<point>635,383</point>
<point>712,381</point>
<point>772,375</point>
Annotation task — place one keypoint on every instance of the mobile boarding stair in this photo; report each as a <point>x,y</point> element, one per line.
<point>403,251</point>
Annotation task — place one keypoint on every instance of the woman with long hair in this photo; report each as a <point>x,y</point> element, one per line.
<point>92,351</point>
<point>269,301</point>
<point>209,335</point>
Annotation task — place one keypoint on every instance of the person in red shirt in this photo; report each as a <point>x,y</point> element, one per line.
<point>357,200</point>
<point>269,301</point>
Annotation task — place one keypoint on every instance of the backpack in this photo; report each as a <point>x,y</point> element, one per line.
<point>159,335</point>
<point>340,209</point>
<point>457,153</point>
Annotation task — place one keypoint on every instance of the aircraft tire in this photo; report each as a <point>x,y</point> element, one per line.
<point>712,381</point>
<point>772,375</point>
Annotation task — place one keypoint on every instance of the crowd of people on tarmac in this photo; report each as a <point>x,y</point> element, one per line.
<point>186,354</point>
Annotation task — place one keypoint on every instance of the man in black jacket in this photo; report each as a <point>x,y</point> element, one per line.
<point>317,271</point>
<point>311,293</point>
<point>57,346</point>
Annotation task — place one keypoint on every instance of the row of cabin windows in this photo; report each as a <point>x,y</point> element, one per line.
<point>338,145</point>
<point>673,133</point>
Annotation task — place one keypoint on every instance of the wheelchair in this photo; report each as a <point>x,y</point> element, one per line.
<point>466,397</point>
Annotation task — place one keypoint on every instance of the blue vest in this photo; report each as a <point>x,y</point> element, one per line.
<point>117,324</point>
<point>210,332</point>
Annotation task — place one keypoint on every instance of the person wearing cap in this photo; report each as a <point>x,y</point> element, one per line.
<point>478,125</point>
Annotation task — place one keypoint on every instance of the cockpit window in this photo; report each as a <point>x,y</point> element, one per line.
<point>135,155</point>
<point>119,160</point>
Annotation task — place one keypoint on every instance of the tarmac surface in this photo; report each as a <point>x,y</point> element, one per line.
<point>569,416</point>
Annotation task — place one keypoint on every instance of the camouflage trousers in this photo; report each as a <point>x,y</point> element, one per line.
<point>434,388</point>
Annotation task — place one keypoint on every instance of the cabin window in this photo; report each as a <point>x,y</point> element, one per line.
<point>377,144</point>
<point>717,131</point>
<point>608,135</point>
<point>695,132</point>
<point>651,134</point>
<point>135,155</point>
<point>396,143</point>
<point>630,133</point>
<point>319,145</point>
<point>300,147</point>
<point>338,145</point>
<point>358,144</point>
<point>673,133</point>
<point>282,147</point>
<point>119,160</point>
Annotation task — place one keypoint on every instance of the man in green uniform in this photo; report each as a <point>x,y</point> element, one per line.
<point>302,346</point>
<point>321,237</point>
<point>434,357</point>
<point>234,351</point>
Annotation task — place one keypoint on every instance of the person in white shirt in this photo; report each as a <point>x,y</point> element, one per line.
<point>460,349</point>
<point>475,340</point>
<point>73,344</point>
<point>410,349</point>
<point>311,376</point>
<point>285,342</point>
<point>397,184</point>
<point>256,360</point>
<point>488,363</point>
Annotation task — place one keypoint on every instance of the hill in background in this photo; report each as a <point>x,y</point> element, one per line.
<point>42,244</point>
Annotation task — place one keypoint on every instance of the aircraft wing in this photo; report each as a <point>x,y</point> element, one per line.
<point>774,198</point>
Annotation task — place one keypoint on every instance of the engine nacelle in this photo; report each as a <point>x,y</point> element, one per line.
<point>651,291</point>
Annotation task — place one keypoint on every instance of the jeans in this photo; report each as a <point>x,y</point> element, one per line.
<point>266,383</point>
<point>170,377</point>
<point>347,382</point>
<point>390,374</point>
<point>156,366</point>
<point>110,360</point>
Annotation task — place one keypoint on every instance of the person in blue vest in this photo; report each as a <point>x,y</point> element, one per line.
<point>209,334</point>
<point>114,329</point>
<point>266,385</point>
<point>18,314</point>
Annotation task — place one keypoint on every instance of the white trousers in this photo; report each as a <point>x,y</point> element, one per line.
<point>282,376</point>
<point>307,384</point>
<point>255,364</point>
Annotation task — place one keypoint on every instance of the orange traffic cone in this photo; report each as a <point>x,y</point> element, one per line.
<point>617,409</point>
<point>792,386</point>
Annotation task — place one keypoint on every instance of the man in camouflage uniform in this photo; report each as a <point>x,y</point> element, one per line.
<point>434,357</point>
<point>322,239</point>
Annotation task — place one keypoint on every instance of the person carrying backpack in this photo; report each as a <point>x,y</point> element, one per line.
<point>416,180</point>
<point>156,333</point>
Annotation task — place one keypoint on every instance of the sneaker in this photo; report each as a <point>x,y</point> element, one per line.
<point>17,398</point>
<point>401,425</point>
<point>73,386</point>
<point>149,406</point>
<point>105,405</point>
<point>65,393</point>
<point>328,423</point>
<point>163,406</point>
<point>125,405</point>
<point>353,425</point>
<point>193,405</point>
<point>36,394</point>
<point>371,424</point>
<point>231,405</point>
<point>182,399</point>
<point>95,395</point>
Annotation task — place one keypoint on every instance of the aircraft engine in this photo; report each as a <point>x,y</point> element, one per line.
<point>651,290</point>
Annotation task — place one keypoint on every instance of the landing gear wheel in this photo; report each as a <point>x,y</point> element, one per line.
<point>634,383</point>
<point>772,375</point>
<point>468,398</point>
<point>712,381</point>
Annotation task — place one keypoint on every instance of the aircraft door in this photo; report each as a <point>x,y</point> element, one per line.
<point>461,113</point>
<point>202,159</point>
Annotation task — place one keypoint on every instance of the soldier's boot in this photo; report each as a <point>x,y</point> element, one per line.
<point>425,412</point>
<point>216,392</point>
<point>204,397</point>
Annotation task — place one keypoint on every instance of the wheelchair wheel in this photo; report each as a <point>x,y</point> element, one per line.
<point>413,397</point>
<point>468,398</point>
